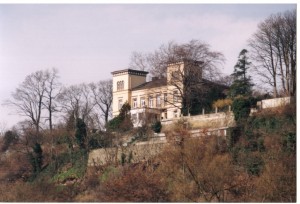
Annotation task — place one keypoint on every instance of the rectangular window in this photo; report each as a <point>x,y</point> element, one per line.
<point>143,103</point>
<point>120,103</point>
<point>175,96</point>
<point>150,101</point>
<point>165,99</point>
<point>158,102</point>
<point>134,103</point>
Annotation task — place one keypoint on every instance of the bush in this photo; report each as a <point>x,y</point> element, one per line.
<point>100,140</point>
<point>76,163</point>
<point>253,164</point>
<point>114,123</point>
<point>289,142</point>
<point>9,138</point>
<point>241,109</point>
<point>80,133</point>
<point>123,121</point>
<point>156,127</point>
<point>36,158</point>
<point>134,185</point>
<point>222,103</point>
<point>234,134</point>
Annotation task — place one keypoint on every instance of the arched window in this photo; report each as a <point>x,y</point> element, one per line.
<point>120,85</point>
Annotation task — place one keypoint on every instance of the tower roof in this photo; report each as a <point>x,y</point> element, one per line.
<point>130,71</point>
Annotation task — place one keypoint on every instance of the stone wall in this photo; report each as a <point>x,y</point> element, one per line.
<point>213,120</point>
<point>140,151</point>
<point>275,102</point>
<point>207,124</point>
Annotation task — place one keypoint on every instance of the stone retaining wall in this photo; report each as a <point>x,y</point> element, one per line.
<point>140,151</point>
<point>213,120</point>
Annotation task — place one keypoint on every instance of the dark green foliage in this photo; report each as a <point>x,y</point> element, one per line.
<point>156,127</point>
<point>206,100</point>
<point>130,157</point>
<point>268,122</point>
<point>124,111</point>
<point>235,151</point>
<point>9,138</point>
<point>253,164</point>
<point>234,134</point>
<point>123,121</point>
<point>114,123</point>
<point>247,141</point>
<point>123,159</point>
<point>36,158</point>
<point>241,109</point>
<point>76,162</point>
<point>289,142</point>
<point>260,145</point>
<point>241,85</point>
<point>100,140</point>
<point>81,133</point>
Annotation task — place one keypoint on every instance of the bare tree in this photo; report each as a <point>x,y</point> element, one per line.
<point>273,49</point>
<point>201,66</point>
<point>138,61</point>
<point>102,96</point>
<point>225,80</point>
<point>52,91</point>
<point>28,98</point>
<point>76,101</point>
<point>195,50</point>
<point>187,83</point>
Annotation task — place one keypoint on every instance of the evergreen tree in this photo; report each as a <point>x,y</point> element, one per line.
<point>123,121</point>
<point>36,158</point>
<point>241,82</point>
<point>124,111</point>
<point>81,133</point>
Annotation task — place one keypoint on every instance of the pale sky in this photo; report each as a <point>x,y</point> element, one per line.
<point>87,42</point>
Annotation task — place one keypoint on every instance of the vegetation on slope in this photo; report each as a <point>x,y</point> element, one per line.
<point>255,163</point>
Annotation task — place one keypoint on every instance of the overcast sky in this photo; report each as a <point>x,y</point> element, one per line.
<point>87,42</point>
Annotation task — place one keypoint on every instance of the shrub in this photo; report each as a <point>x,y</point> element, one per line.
<point>289,142</point>
<point>114,123</point>
<point>221,103</point>
<point>134,185</point>
<point>156,127</point>
<point>253,164</point>
<point>9,138</point>
<point>241,109</point>
<point>123,121</point>
<point>100,140</point>
<point>80,133</point>
<point>36,158</point>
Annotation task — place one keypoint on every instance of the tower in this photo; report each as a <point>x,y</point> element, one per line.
<point>123,82</point>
